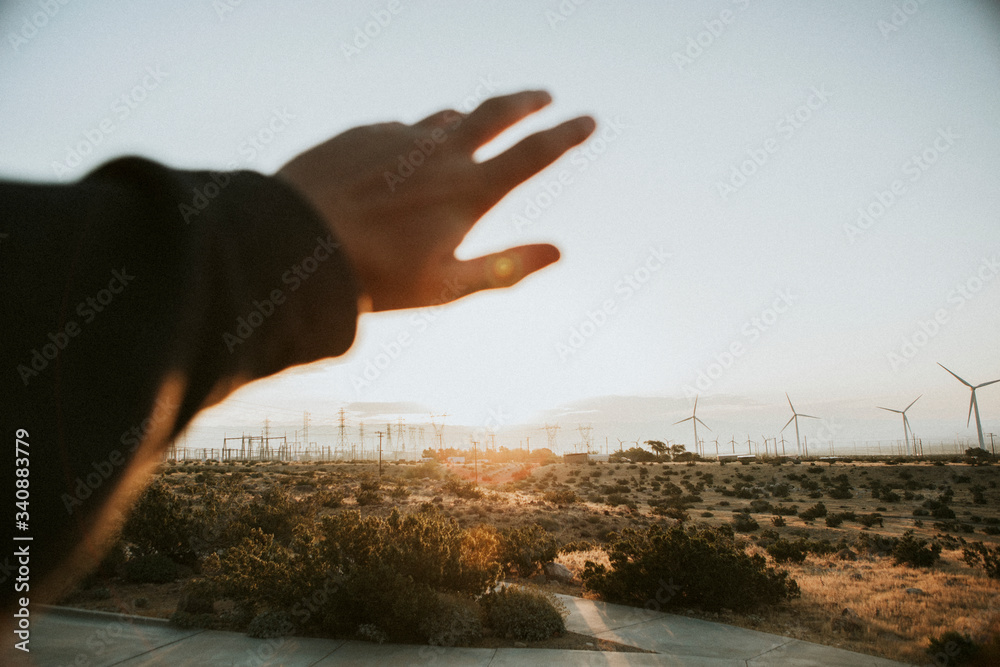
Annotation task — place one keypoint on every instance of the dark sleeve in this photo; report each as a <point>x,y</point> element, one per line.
<point>133,299</point>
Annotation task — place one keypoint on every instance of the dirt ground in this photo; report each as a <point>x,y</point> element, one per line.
<point>866,604</point>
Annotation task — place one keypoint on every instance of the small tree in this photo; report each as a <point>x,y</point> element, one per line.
<point>659,448</point>
<point>677,450</point>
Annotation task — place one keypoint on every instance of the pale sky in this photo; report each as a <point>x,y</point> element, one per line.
<point>711,226</point>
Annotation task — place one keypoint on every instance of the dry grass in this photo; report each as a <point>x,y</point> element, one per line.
<point>883,619</point>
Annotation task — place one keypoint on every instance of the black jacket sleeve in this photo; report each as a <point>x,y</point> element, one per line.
<point>131,300</point>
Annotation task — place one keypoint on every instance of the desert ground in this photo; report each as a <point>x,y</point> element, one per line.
<point>853,595</point>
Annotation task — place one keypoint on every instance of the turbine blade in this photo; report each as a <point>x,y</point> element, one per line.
<point>696,404</point>
<point>891,410</point>
<point>972,402</point>
<point>682,421</point>
<point>911,404</point>
<point>790,402</point>
<point>956,377</point>
<point>702,423</point>
<point>809,416</point>
<point>986,384</point>
<point>786,424</point>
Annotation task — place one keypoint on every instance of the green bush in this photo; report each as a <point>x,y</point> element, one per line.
<point>522,613</point>
<point>526,548</point>
<point>151,569</point>
<point>562,497</point>
<point>784,551</point>
<point>453,621</point>
<point>816,511</point>
<point>744,523</point>
<point>466,490</point>
<point>953,648</point>
<point>914,552</point>
<point>161,523</point>
<point>703,565</point>
<point>977,554</point>
<point>368,492</point>
<point>271,624</point>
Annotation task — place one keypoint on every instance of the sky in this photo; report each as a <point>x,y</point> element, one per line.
<point>779,198</point>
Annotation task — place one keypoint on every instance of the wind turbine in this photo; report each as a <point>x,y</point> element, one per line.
<point>906,423</point>
<point>694,420</point>
<point>795,418</point>
<point>973,404</point>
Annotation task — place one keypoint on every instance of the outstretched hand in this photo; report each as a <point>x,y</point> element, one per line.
<point>400,198</point>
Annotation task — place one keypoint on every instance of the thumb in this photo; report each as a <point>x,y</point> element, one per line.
<point>505,268</point>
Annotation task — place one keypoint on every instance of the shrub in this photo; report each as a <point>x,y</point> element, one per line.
<point>953,648</point>
<point>778,521</point>
<point>834,520</point>
<point>466,490</point>
<point>783,551</point>
<point>703,565</point>
<point>161,523</point>
<point>563,497</point>
<point>978,553</point>
<point>526,548</point>
<point>744,523</point>
<point>270,625</point>
<point>453,621</point>
<point>914,552</point>
<point>522,613</point>
<point>869,520</point>
<point>816,511</point>
<point>368,492</point>
<point>151,569</point>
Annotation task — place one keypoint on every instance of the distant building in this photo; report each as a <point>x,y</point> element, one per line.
<point>456,459</point>
<point>576,458</point>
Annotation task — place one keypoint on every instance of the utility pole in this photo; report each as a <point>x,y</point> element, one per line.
<point>992,447</point>
<point>380,456</point>
<point>475,461</point>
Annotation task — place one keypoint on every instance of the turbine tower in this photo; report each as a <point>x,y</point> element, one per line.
<point>974,405</point>
<point>694,420</point>
<point>795,418</point>
<point>906,424</point>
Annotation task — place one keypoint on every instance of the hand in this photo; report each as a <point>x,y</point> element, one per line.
<point>400,198</point>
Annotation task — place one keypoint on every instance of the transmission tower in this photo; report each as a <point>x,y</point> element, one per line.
<point>341,431</point>
<point>551,430</point>
<point>361,439</point>
<point>400,442</point>
<point>439,430</point>
<point>388,438</point>
<point>585,431</point>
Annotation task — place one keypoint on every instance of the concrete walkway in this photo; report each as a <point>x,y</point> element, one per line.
<point>63,636</point>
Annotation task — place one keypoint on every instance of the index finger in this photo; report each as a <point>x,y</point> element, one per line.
<point>497,114</point>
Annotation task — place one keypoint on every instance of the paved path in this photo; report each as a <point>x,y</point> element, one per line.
<point>62,636</point>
